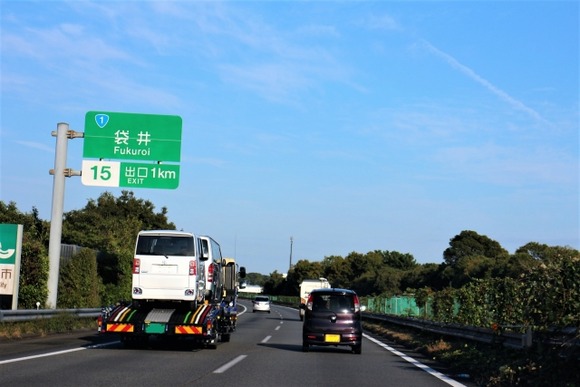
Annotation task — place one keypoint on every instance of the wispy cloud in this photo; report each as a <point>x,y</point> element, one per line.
<point>485,83</point>
<point>382,22</point>
<point>36,145</point>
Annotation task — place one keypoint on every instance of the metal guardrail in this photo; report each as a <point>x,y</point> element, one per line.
<point>484,335</point>
<point>34,314</point>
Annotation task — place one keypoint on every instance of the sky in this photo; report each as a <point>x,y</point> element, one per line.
<point>312,128</point>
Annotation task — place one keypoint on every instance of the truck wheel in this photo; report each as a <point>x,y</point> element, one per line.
<point>225,338</point>
<point>212,345</point>
<point>305,346</point>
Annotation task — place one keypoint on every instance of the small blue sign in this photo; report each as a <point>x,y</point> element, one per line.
<point>101,120</point>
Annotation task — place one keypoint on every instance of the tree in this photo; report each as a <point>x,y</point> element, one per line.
<point>275,285</point>
<point>336,271</point>
<point>255,279</point>
<point>514,266</point>
<point>427,275</point>
<point>303,269</point>
<point>469,268</point>
<point>470,243</point>
<point>398,260</point>
<point>360,264</point>
<point>387,281</point>
<point>544,253</point>
<point>34,257</point>
<point>33,273</point>
<point>79,284</point>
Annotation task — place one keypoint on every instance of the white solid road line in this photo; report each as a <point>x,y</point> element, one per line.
<point>417,363</point>
<point>56,353</point>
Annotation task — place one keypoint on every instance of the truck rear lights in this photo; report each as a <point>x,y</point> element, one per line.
<point>137,291</point>
<point>136,265</point>
<point>192,267</point>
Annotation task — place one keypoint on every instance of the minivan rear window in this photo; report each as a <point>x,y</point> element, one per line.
<point>165,245</point>
<point>333,302</point>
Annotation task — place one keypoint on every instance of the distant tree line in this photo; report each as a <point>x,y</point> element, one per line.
<point>469,257</point>
<point>107,227</point>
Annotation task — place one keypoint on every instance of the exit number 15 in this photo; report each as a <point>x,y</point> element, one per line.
<point>101,173</point>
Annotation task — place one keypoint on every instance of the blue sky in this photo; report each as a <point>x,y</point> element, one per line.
<point>348,126</point>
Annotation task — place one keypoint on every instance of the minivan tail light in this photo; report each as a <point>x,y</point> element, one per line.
<point>136,265</point>
<point>356,304</point>
<point>192,268</point>
<point>309,302</point>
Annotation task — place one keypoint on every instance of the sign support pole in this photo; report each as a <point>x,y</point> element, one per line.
<point>19,232</point>
<point>57,213</point>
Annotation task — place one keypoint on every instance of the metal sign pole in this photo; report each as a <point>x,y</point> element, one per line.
<point>57,213</point>
<point>19,232</point>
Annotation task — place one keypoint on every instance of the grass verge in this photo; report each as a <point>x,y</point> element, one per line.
<point>45,326</point>
<point>490,365</point>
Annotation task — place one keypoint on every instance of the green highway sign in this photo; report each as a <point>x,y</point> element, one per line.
<point>8,242</point>
<point>129,136</point>
<point>130,175</point>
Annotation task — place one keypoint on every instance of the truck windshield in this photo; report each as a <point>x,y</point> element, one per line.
<point>165,245</point>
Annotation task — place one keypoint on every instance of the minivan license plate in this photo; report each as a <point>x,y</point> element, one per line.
<point>332,338</point>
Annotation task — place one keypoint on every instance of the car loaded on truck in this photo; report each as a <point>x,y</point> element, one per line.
<point>182,288</point>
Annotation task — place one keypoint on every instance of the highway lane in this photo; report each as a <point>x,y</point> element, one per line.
<point>265,350</point>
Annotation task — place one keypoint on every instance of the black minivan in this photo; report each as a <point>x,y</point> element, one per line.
<point>332,317</point>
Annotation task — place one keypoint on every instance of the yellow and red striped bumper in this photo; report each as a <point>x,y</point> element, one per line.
<point>188,330</point>
<point>120,328</point>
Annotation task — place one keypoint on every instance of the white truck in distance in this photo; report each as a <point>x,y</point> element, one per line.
<point>308,285</point>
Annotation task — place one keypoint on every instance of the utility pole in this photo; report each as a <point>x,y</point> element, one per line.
<point>291,240</point>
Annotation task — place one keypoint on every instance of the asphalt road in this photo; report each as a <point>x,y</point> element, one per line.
<point>264,351</point>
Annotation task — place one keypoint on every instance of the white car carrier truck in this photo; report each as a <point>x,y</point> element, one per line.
<point>171,297</point>
<point>308,285</point>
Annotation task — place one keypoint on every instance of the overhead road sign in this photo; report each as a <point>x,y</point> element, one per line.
<point>129,136</point>
<point>130,175</point>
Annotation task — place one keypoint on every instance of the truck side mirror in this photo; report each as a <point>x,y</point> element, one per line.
<point>242,272</point>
